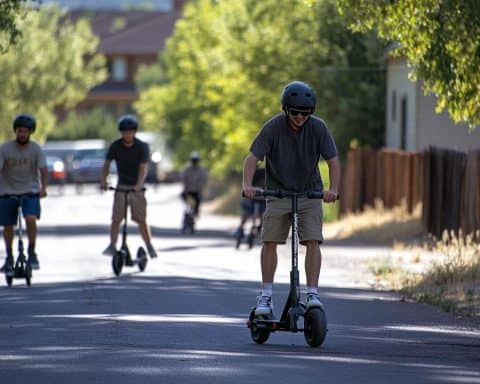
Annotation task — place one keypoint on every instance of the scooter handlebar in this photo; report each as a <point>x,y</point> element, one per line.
<point>282,194</point>
<point>124,189</point>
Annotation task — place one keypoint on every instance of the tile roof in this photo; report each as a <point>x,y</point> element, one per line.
<point>130,32</point>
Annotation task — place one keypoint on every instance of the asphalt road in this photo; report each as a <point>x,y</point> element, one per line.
<point>183,320</point>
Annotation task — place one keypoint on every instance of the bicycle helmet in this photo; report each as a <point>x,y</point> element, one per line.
<point>194,155</point>
<point>127,123</point>
<point>298,95</point>
<point>24,120</point>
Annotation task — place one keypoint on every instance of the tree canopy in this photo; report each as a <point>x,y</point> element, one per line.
<point>223,69</point>
<point>440,40</point>
<point>10,11</point>
<point>47,68</point>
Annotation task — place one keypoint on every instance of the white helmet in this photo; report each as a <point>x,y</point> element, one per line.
<point>194,155</point>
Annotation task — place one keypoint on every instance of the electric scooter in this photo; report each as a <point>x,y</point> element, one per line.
<point>188,224</point>
<point>295,315</point>
<point>21,269</point>
<point>122,257</point>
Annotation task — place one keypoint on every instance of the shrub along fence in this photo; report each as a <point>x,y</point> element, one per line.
<point>446,182</point>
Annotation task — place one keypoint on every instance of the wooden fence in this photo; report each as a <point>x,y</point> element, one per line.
<point>387,175</point>
<point>446,182</point>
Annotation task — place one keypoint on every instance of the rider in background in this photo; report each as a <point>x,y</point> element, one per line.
<point>23,170</point>
<point>247,205</point>
<point>132,157</point>
<point>194,178</point>
<point>292,143</point>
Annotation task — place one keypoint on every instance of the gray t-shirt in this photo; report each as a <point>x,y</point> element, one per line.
<point>292,157</point>
<point>19,167</point>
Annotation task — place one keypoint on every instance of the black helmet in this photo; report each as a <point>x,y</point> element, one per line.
<point>127,122</point>
<point>298,95</point>
<point>24,120</point>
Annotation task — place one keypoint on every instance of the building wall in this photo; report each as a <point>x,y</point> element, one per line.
<point>440,130</point>
<point>400,120</point>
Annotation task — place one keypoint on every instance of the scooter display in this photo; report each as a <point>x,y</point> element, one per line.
<point>21,269</point>
<point>122,256</point>
<point>295,315</point>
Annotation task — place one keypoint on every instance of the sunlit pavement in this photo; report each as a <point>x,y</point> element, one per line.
<point>183,319</point>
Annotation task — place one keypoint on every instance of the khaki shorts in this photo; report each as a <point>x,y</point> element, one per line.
<point>277,220</point>
<point>136,201</point>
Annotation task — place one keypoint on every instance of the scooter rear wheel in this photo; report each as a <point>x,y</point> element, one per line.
<point>117,262</point>
<point>315,327</point>
<point>142,259</point>
<point>259,335</point>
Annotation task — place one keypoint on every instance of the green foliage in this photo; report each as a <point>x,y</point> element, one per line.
<point>95,124</point>
<point>440,41</point>
<point>10,11</point>
<point>47,69</point>
<point>330,211</point>
<point>224,67</point>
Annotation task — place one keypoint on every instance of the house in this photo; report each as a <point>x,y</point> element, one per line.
<point>411,121</point>
<point>128,39</point>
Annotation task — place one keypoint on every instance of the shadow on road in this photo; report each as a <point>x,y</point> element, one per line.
<point>91,229</point>
<point>140,328</point>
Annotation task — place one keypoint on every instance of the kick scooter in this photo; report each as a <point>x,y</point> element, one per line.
<point>21,269</point>
<point>188,224</point>
<point>255,229</point>
<point>295,316</point>
<point>122,256</point>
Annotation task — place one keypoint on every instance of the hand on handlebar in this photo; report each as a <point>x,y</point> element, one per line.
<point>103,185</point>
<point>249,191</point>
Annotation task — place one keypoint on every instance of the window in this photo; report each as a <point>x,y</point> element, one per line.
<point>119,69</point>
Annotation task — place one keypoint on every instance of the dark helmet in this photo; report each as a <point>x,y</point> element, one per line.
<point>127,123</point>
<point>24,120</point>
<point>298,95</point>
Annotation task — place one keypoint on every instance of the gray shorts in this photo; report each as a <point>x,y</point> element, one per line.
<point>277,220</point>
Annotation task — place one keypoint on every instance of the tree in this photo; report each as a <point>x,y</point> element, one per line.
<point>440,41</point>
<point>94,124</point>
<point>10,10</point>
<point>47,69</point>
<point>224,67</point>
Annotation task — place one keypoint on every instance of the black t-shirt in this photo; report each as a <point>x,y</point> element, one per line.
<point>292,157</point>
<point>128,159</point>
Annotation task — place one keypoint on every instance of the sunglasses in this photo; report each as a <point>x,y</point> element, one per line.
<point>296,112</point>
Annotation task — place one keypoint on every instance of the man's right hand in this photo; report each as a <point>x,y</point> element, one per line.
<point>250,191</point>
<point>103,185</point>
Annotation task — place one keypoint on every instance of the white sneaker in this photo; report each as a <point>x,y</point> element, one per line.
<point>264,306</point>
<point>109,251</point>
<point>313,300</point>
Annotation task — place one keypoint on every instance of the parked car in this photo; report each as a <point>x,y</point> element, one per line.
<point>72,150</point>
<point>87,167</point>
<point>57,173</point>
<point>160,168</point>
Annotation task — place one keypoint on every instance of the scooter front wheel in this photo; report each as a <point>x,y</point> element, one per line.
<point>315,327</point>
<point>142,259</point>
<point>28,274</point>
<point>117,262</point>
<point>259,335</point>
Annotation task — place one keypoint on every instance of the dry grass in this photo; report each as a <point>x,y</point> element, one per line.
<point>453,279</point>
<point>444,272</point>
<point>379,225</point>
